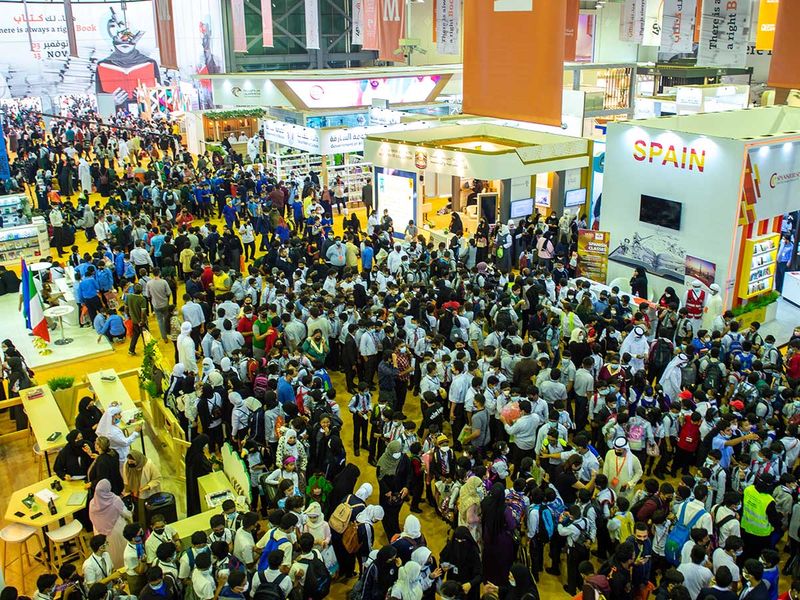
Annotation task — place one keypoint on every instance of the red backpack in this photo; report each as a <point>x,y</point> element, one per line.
<point>689,436</point>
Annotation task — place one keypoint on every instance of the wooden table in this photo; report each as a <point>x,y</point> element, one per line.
<point>199,522</point>
<point>211,484</point>
<point>45,419</point>
<point>108,392</point>
<point>15,504</point>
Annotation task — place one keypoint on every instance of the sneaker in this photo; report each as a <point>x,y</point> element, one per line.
<point>131,353</point>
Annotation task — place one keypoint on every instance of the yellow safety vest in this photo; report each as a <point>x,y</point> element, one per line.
<point>754,513</point>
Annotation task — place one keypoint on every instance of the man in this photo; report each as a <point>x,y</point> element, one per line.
<point>723,588</point>
<point>760,516</point>
<point>203,584</point>
<point>136,304</point>
<point>696,575</point>
<point>755,588</point>
<point>158,587</point>
<point>583,389</point>
<point>622,468</point>
<point>159,292</point>
<point>725,557</point>
<point>349,357</point>
<point>462,380</point>
<point>642,553</point>
<point>695,304</point>
<point>661,500</point>
<point>524,432</point>
<point>57,222</point>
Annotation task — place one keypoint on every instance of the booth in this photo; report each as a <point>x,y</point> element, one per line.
<point>702,197</point>
<point>30,241</point>
<point>478,169</point>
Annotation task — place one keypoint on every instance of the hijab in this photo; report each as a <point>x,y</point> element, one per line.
<point>106,425</point>
<point>493,510</point>
<point>461,546</point>
<point>524,587</point>
<point>195,455</point>
<point>344,483</point>
<point>364,492</point>
<point>371,514</point>
<point>421,556</point>
<point>407,586</point>
<point>105,508</point>
<point>468,496</point>
<point>386,566</point>
<point>315,523</point>
<point>387,464</point>
<point>411,528</point>
<point>134,474</point>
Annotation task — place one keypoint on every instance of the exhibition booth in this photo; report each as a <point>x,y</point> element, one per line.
<point>702,197</point>
<point>477,169</point>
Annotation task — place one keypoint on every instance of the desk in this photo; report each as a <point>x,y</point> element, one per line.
<point>45,419</point>
<point>114,391</point>
<point>212,483</point>
<point>63,510</point>
<point>199,522</point>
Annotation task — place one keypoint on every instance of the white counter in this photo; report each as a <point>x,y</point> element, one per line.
<point>791,287</point>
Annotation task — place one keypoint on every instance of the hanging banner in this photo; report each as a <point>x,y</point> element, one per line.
<point>199,40</point>
<point>165,33</point>
<point>239,31</point>
<point>391,27</point>
<point>312,25</point>
<point>448,20</point>
<point>357,24</point>
<point>536,49</point>
<point>593,249</point>
<point>767,19</point>
<point>784,70</point>
<point>652,23</point>
<point>631,22</point>
<point>677,27</point>
<point>723,34</point>
<point>571,30</point>
<point>370,33</point>
<point>266,24</point>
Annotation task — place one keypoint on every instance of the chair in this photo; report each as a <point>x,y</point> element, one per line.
<point>59,538</point>
<point>39,459</point>
<point>19,535</point>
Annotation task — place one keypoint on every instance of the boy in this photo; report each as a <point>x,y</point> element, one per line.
<point>133,558</point>
<point>360,406</point>
<point>160,533</point>
<point>220,533</point>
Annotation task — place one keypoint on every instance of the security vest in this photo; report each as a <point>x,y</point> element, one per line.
<point>754,513</point>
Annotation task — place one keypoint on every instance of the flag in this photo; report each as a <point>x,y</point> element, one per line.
<point>32,305</point>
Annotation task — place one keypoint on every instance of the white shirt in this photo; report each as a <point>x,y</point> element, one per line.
<point>96,568</point>
<point>720,558</point>
<point>130,560</point>
<point>154,541</point>
<point>269,575</point>
<point>203,584</point>
<point>243,545</point>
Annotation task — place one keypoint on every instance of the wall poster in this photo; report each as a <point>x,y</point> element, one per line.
<point>593,249</point>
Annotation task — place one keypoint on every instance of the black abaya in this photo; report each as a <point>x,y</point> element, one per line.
<point>197,465</point>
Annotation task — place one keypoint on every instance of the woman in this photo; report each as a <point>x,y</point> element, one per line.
<point>88,418</point>
<point>409,539</point>
<point>316,349</point>
<point>109,517</point>
<point>469,507</point>
<point>520,586</point>
<point>335,457</point>
<point>381,574</point>
<point>579,347</point>
<point>669,297</point>
<point>197,464</point>
<point>365,522</point>
<point>209,409</point>
<point>288,445</point>
<point>566,479</point>
<point>456,226</point>
<point>344,484</point>
<point>109,427</point>
<point>394,480</point>
<point>407,586</point>
<point>74,459</point>
<point>16,372</point>
<point>639,283</point>
<point>463,559</point>
<point>106,466</point>
<point>358,504</point>
<point>498,535</point>
<point>482,241</point>
<point>317,526</point>
<point>429,574</point>
<point>142,479</point>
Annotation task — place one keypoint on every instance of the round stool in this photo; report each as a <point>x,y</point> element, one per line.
<point>19,535</point>
<point>59,538</point>
<point>39,459</point>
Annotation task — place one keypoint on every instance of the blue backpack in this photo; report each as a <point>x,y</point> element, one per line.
<point>272,545</point>
<point>680,535</point>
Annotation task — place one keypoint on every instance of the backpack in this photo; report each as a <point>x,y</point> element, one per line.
<point>637,506</point>
<point>350,539</point>
<point>342,515</point>
<point>713,378</point>
<point>517,506</point>
<point>260,385</point>
<point>318,579</point>
<point>777,363</point>
<point>718,526</point>
<point>688,375</point>
<point>269,590</point>
<point>547,523</point>
<point>661,354</point>
<point>503,318</point>
<point>680,535</point>
<point>272,544</point>
<point>190,556</point>
<point>583,537</point>
<point>636,436</point>
<point>736,343</point>
<point>625,525</point>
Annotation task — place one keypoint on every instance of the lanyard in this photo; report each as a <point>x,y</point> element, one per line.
<point>101,566</point>
<point>619,466</point>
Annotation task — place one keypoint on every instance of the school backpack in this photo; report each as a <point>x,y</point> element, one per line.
<point>736,343</point>
<point>272,545</point>
<point>680,534</point>
<point>688,375</point>
<point>350,539</point>
<point>661,354</point>
<point>713,378</point>
<point>516,504</point>
<point>637,506</point>
<point>636,434</point>
<point>503,319</point>
<point>343,515</point>
<point>625,525</point>
<point>191,556</point>
<point>317,583</point>
<point>260,385</point>
<point>269,590</point>
<point>547,523</point>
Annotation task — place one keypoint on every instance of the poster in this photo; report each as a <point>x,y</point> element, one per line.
<point>631,22</point>
<point>116,46</point>
<point>312,24</point>
<point>391,27</point>
<point>199,43</point>
<point>767,21</point>
<point>357,29</point>
<point>448,22</point>
<point>702,270</point>
<point>593,254</point>
<point>724,30</point>
<point>397,193</point>
<point>652,23</point>
<point>677,27</point>
<point>370,8</point>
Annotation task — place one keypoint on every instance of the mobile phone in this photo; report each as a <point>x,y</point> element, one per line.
<point>54,436</point>
<point>19,514</point>
<point>36,516</point>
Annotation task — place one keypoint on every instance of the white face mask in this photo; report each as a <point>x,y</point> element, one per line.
<point>397,455</point>
<point>445,448</point>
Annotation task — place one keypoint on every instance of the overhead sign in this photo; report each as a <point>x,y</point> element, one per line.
<point>357,16</point>
<point>391,26</point>
<point>677,31</point>
<point>312,24</point>
<point>767,21</point>
<point>338,93</point>
<point>448,23</point>
<point>631,23</point>
<point>723,34</point>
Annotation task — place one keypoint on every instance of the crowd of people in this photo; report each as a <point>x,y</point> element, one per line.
<point>635,447</point>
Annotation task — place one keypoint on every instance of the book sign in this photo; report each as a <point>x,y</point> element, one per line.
<point>593,247</point>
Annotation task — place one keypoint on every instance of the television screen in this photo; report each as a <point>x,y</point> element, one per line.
<point>521,208</point>
<point>397,192</point>
<point>575,197</point>
<point>660,212</point>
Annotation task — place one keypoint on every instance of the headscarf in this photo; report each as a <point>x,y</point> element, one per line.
<point>574,336</point>
<point>371,514</point>
<point>461,546</point>
<point>178,374</point>
<point>344,483</point>
<point>468,496</point>
<point>364,492</point>
<point>493,510</point>
<point>315,523</point>
<point>236,399</point>
<point>421,556</point>
<point>225,364</point>
<point>387,570</point>
<point>208,368</point>
<point>134,474</point>
<point>106,425</point>
<point>387,464</point>
<point>672,367</point>
<point>621,443</point>
<point>524,585</point>
<point>195,451</point>
<point>407,586</point>
<point>411,528</point>
<point>105,508</point>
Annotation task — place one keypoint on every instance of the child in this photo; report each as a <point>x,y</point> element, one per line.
<point>563,415</point>
<point>220,533</point>
<point>661,527</point>
<point>233,520</point>
<point>417,482</point>
<point>160,532</point>
<point>770,558</point>
<point>255,465</point>
<point>620,525</point>
<point>407,437</point>
<point>606,500</point>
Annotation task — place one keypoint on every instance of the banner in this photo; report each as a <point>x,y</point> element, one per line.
<point>370,33</point>
<point>5,172</point>
<point>165,33</point>
<point>391,27</point>
<point>266,24</point>
<point>237,22</point>
<point>784,70</point>
<point>571,30</point>
<point>593,247</point>
<point>767,19</point>
<point>631,22</point>
<point>199,44</point>
<point>312,24</point>
<point>73,42</point>
<point>448,22</point>
<point>357,22</point>
<point>652,23</point>
<point>723,34</point>
<point>677,27</point>
<point>530,78</point>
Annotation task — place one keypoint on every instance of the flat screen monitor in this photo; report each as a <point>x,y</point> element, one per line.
<point>397,192</point>
<point>660,212</point>
<point>521,208</point>
<point>575,197</point>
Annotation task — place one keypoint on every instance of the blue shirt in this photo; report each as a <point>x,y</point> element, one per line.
<point>156,242</point>
<point>285,392</point>
<point>366,258</point>
<point>115,326</point>
<point>88,288</point>
<point>727,451</point>
<point>105,279</point>
<point>99,323</point>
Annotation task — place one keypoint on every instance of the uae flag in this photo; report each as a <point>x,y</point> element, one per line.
<point>32,305</point>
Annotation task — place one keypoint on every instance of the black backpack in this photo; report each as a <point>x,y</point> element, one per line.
<point>318,579</point>
<point>662,353</point>
<point>713,379</point>
<point>503,318</point>
<point>270,590</point>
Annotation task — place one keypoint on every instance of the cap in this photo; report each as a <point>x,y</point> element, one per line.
<point>714,287</point>
<point>685,395</point>
<point>696,284</point>
<point>620,443</point>
<point>737,405</point>
<point>441,439</point>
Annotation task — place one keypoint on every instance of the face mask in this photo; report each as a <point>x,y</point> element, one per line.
<point>403,350</point>
<point>157,586</point>
<point>397,455</point>
<point>158,531</point>
<point>445,448</point>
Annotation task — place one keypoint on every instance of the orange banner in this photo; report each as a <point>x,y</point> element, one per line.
<point>698,18</point>
<point>515,53</point>
<point>571,30</point>
<point>371,8</point>
<point>784,70</point>
<point>391,27</point>
<point>767,18</point>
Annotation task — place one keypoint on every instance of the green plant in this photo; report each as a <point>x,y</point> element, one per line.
<point>756,303</point>
<point>151,373</point>
<point>63,382</point>
<point>241,113</point>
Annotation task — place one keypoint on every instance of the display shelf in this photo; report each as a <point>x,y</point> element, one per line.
<point>9,207</point>
<point>760,259</point>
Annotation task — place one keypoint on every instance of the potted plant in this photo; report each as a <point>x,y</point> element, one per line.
<point>62,392</point>
<point>151,374</point>
<point>762,309</point>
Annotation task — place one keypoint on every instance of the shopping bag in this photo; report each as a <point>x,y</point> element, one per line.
<point>112,300</point>
<point>329,558</point>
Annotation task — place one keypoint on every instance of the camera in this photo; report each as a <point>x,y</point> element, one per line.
<point>56,485</point>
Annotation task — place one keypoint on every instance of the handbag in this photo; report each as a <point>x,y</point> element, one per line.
<point>653,449</point>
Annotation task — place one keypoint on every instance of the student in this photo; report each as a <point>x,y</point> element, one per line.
<point>273,576</point>
<point>696,574</point>
<point>244,540</point>
<point>189,557</point>
<point>98,567</point>
<point>158,587</point>
<point>202,581</point>
<point>160,533</point>
<point>235,586</point>
<point>134,557</point>
<point>220,533</point>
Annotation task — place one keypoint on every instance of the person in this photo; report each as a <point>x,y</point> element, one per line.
<point>158,586</point>
<point>98,567</point>
<point>407,586</point>
<point>696,575</point>
<point>133,557</point>
<point>109,427</point>
<point>142,479</point>
<point>461,561</point>
<point>760,516</point>
<point>105,466</point>
<point>317,526</point>
<point>755,588</point>
<point>469,507</point>
<point>73,460</point>
<point>394,480</point>
<point>520,585</point>
<point>109,516</point>
<point>381,575</point>
<point>410,538</point>
<point>197,465</point>
<point>88,418</point>
<point>622,468</point>
<point>638,283</point>
<point>498,535</point>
